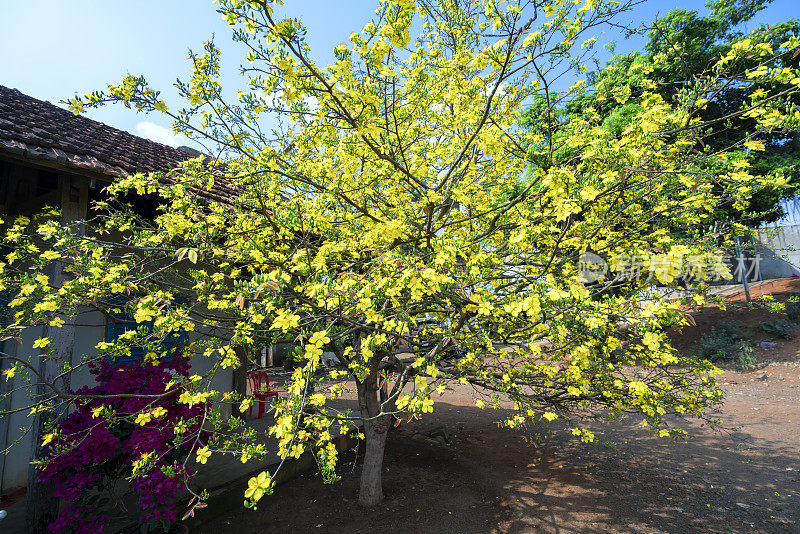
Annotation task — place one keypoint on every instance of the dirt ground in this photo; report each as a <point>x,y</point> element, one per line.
<point>456,471</point>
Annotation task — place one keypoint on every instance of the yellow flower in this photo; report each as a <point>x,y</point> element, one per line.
<point>41,343</point>
<point>286,320</point>
<point>484,308</point>
<point>202,455</point>
<point>151,357</point>
<point>141,462</point>
<point>651,339</point>
<point>754,145</point>
<point>312,351</point>
<point>319,338</point>
<point>10,372</point>
<point>427,405</point>
<point>317,399</point>
<point>258,486</point>
<point>46,306</point>
<point>143,418</point>
<point>638,388</point>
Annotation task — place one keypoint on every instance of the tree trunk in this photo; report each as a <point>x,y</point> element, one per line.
<point>371,491</point>
<point>375,429</point>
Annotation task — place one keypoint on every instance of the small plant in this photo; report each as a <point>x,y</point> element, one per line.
<point>779,327</point>
<point>745,357</point>
<point>720,343</point>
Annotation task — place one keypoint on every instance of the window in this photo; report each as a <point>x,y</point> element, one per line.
<point>120,322</point>
<point>5,311</point>
<point>4,320</point>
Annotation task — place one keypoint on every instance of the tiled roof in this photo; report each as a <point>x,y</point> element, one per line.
<point>38,130</point>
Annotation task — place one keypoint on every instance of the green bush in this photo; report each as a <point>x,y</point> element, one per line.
<point>779,327</point>
<point>720,343</point>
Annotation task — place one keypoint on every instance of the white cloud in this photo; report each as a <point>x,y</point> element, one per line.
<point>311,101</point>
<point>501,90</point>
<point>159,134</point>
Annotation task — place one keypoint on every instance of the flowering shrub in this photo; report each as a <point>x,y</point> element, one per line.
<point>142,436</point>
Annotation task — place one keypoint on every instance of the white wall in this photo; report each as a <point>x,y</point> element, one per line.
<point>779,250</point>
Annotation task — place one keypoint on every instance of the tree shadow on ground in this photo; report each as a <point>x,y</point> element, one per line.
<point>630,481</point>
<point>459,472</point>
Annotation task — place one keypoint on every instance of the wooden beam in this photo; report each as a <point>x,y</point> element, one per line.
<point>105,179</point>
<point>41,507</point>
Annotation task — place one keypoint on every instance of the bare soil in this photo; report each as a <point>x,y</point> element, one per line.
<point>457,471</point>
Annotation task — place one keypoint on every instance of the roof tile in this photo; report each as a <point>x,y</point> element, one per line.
<point>36,129</point>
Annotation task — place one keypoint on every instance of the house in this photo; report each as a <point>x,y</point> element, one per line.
<point>51,157</point>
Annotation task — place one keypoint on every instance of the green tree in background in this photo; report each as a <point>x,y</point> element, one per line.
<point>681,45</point>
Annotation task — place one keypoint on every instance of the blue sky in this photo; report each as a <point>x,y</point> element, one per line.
<point>52,49</point>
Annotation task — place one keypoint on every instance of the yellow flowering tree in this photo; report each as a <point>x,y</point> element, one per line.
<point>391,216</point>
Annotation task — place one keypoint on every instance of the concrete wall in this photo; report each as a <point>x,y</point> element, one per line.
<point>779,250</point>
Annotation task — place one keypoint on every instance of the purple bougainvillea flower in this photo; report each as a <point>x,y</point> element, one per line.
<point>91,452</point>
